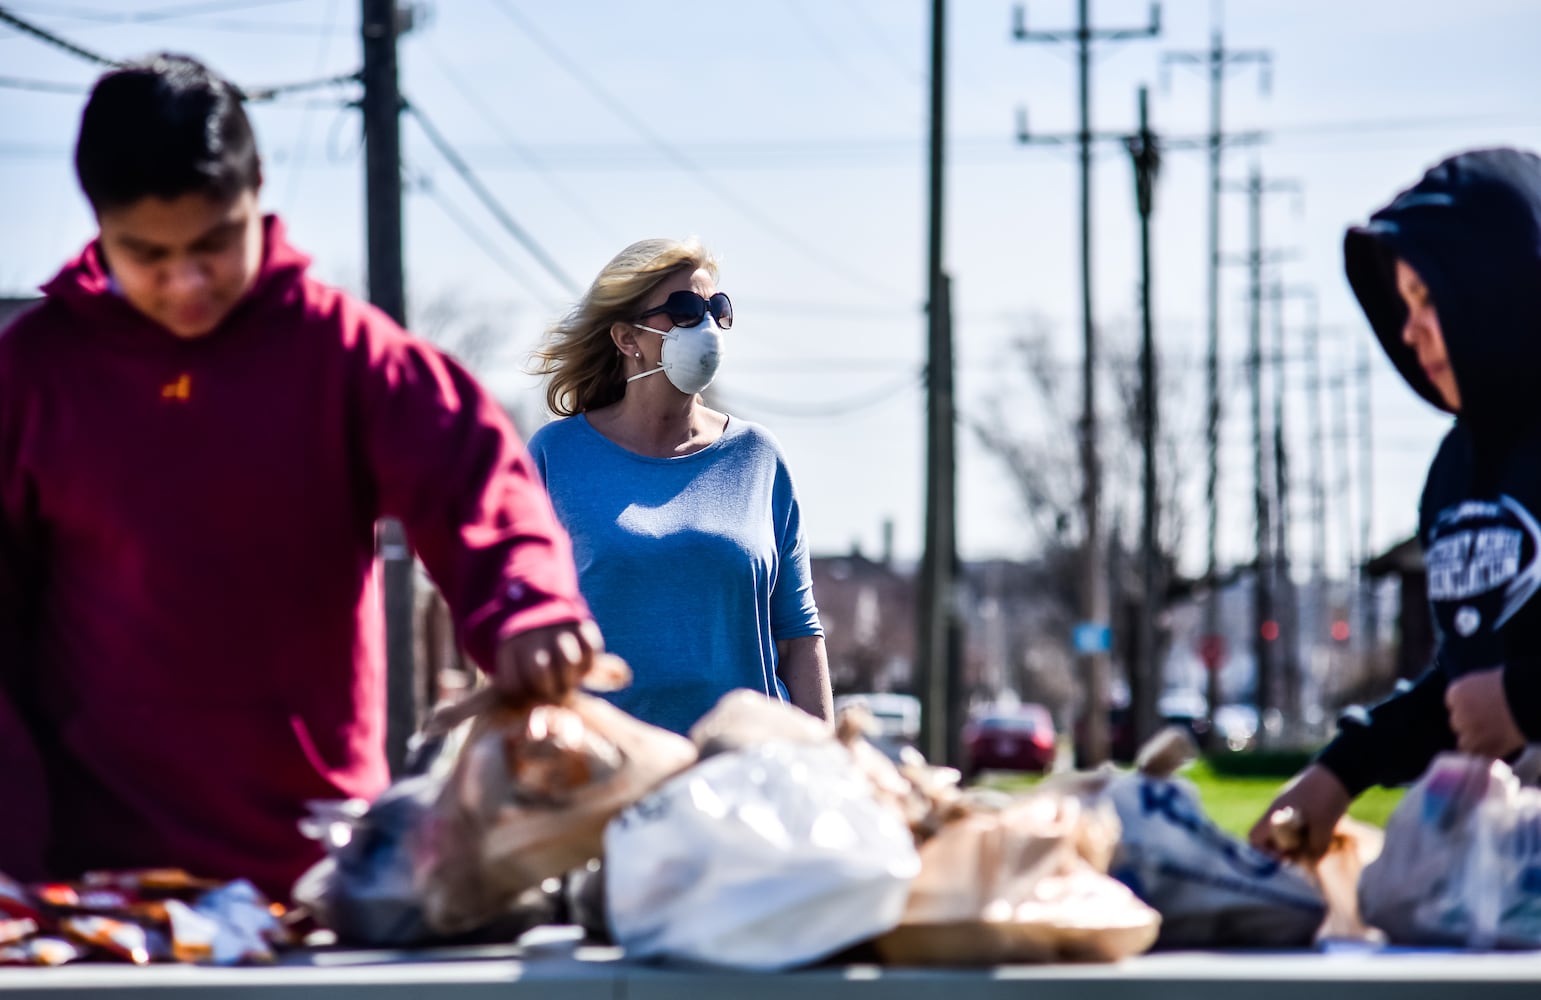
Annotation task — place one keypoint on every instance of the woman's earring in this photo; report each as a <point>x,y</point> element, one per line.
<point>637,355</point>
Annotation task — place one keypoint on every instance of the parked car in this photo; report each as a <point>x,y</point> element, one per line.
<point>1236,724</point>
<point>1121,745</point>
<point>1015,739</point>
<point>1186,708</point>
<point>897,715</point>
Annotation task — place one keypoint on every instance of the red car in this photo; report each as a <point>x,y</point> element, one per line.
<point>1018,739</point>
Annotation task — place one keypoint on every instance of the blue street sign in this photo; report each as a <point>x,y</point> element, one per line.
<point>1091,637</point>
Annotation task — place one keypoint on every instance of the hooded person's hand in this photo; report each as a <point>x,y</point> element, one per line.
<point>1317,800</point>
<point>1480,716</point>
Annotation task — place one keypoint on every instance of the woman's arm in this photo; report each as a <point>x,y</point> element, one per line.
<point>804,668</point>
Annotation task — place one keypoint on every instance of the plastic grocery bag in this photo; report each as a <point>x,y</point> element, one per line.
<point>766,857</point>
<point>927,796</point>
<point>363,889</point>
<point>1025,884</point>
<point>1462,860</point>
<point>528,799</point>
<point>1212,889</point>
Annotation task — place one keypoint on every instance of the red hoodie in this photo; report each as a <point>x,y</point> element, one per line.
<point>189,613</point>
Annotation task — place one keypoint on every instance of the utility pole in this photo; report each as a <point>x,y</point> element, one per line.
<point>1093,634</point>
<point>1315,432</point>
<point>1341,436</point>
<point>1288,605</point>
<point>1146,675</point>
<point>381,107</point>
<point>1262,595</point>
<point>1366,504</point>
<point>1313,344</point>
<point>1218,59</point>
<point>1290,613</point>
<point>941,636</point>
<point>1265,623</point>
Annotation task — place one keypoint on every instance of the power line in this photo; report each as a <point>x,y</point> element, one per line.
<point>879,149</point>
<point>488,201</point>
<point>268,93</point>
<point>506,134</point>
<point>64,45</point>
<point>787,236</point>
<point>299,158</point>
<point>833,50</point>
<point>885,45</point>
<point>839,408</point>
<point>42,86</point>
<point>158,14</point>
<point>464,224</point>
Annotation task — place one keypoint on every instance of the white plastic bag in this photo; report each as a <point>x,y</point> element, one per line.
<point>1211,888</point>
<point>764,858</point>
<point>1462,860</point>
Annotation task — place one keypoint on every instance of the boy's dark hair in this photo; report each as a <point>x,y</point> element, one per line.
<point>164,127</point>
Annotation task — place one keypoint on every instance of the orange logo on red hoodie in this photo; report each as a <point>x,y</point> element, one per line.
<point>180,390</point>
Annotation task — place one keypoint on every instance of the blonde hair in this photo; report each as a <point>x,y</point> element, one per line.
<point>586,371</point>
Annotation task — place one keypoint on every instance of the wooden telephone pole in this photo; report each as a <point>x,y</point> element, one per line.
<point>381,107</point>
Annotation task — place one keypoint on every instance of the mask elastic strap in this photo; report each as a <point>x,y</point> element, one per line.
<point>653,371</point>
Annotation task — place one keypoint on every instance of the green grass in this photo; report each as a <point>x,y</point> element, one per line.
<point>1234,803</point>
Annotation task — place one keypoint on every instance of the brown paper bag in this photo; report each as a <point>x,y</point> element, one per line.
<point>1025,884</point>
<point>529,798</point>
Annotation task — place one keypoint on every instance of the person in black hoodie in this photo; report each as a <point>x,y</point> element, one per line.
<point>1449,276</point>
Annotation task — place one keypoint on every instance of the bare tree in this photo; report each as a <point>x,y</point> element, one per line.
<point>478,335</point>
<point>1030,424</point>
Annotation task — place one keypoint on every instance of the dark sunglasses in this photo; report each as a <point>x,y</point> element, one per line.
<point>686,308</point>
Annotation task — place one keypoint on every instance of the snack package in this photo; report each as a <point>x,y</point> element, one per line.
<point>528,799</point>
<point>119,938</point>
<point>159,915</point>
<point>16,902</point>
<point>41,951</point>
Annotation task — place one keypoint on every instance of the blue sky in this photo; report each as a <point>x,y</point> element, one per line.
<point>791,136</point>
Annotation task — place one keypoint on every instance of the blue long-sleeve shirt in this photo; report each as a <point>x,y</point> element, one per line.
<point>693,566</point>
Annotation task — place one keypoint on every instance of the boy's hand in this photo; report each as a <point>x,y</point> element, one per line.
<point>544,664</point>
<point>1480,716</point>
<point>1319,800</point>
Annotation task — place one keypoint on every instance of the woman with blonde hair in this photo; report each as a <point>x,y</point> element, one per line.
<point>685,524</point>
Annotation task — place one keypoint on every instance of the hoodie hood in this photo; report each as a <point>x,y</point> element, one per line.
<point>1471,228</point>
<point>84,286</point>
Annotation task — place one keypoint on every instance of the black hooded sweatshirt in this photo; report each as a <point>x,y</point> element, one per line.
<point>1471,228</point>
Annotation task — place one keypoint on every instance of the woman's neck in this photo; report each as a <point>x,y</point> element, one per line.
<point>659,426</point>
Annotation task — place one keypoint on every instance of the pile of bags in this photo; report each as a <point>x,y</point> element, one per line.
<point>767,841</point>
<point>162,915</point>
<point>764,841</point>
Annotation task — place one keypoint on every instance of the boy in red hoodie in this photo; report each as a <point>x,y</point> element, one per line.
<point>196,440</point>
